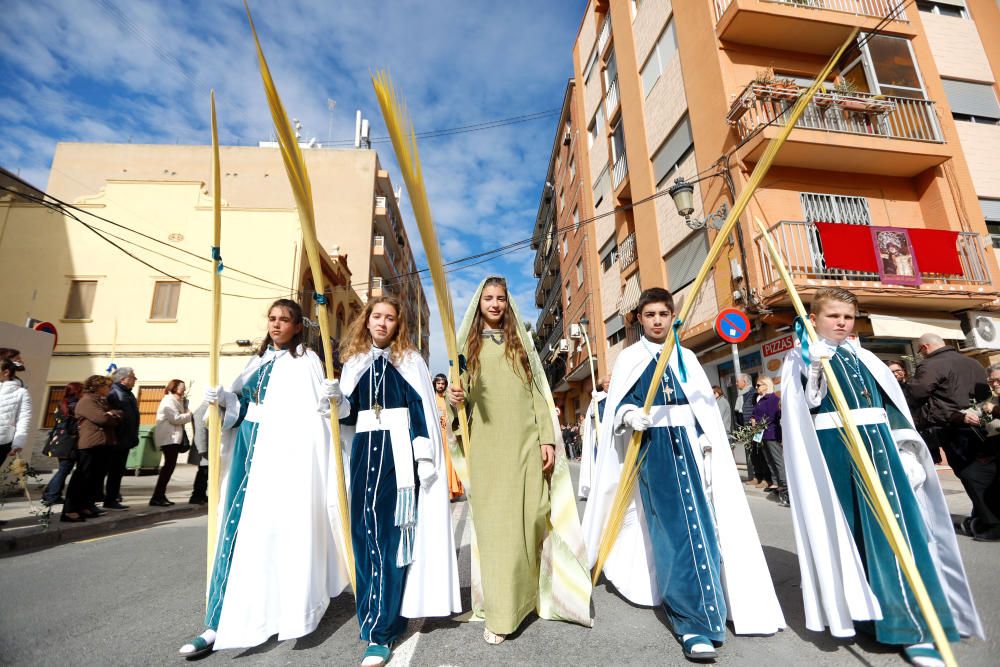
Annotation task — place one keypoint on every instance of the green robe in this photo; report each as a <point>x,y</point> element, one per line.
<point>510,498</point>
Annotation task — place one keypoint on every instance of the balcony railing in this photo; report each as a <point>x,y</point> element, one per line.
<point>620,171</point>
<point>855,113</point>
<point>875,8</point>
<point>375,288</point>
<point>605,34</point>
<point>802,251</point>
<point>611,103</point>
<point>626,252</point>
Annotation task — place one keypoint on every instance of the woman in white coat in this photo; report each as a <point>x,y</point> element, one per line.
<point>15,411</point>
<point>169,437</point>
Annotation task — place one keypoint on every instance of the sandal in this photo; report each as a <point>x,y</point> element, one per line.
<point>376,655</point>
<point>492,638</point>
<point>923,655</point>
<point>691,643</point>
<point>199,647</point>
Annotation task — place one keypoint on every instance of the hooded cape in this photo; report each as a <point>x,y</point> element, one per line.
<point>288,561</point>
<point>750,597</point>
<point>564,586</point>
<point>588,442</point>
<point>432,587</point>
<point>835,590</point>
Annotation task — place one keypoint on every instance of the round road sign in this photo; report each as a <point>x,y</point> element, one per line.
<point>732,325</point>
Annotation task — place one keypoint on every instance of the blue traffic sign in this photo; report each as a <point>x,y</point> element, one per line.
<point>732,325</point>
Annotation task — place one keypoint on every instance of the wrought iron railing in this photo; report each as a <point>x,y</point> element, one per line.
<point>611,101</point>
<point>619,171</point>
<point>626,252</point>
<point>855,113</point>
<point>875,8</point>
<point>605,34</point>
<point>802,251</point>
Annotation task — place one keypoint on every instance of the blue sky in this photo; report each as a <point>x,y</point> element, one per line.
<point>140,71</point>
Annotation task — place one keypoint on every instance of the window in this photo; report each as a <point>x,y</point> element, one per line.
<point>835,208</point>
<point>81,299</point>
<point>601,186</point>
<point>609,254</point>
<point>974,102</point>
<point>615,328</point>
<point>55,396</point>
<point>685,261</point>
<point>885,67</point>
<point>576,218</point>
<point>674,149</point>
<point>589,67</point>
<point>568,295</point>
<point>610,71</point>
<point>165,295</point>
<point>596,127</point>
<point>565,245</point>
<point>617,142</point>
<point>991,211</point>
<point>661,55</point>
<point>572,168</point>
<point>149,401</point>
<point>579,272</point>
<point>562,200</point>
<point>954,8</point>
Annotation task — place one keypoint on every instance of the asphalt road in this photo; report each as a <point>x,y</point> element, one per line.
<point>134,598</point>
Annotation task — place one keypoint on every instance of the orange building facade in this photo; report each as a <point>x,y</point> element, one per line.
<point>889,185</point>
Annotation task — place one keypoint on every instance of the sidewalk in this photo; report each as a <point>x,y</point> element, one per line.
<point>24,531</point>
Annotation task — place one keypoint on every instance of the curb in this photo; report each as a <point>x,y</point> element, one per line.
<point>19,540</point>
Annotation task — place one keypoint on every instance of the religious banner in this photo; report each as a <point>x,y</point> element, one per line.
<point>897,263</point>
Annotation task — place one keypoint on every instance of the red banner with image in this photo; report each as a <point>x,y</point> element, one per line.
<point>936,251</point>
<point>847,247</point>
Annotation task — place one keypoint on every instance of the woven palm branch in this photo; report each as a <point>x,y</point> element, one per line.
<point>213,417</point>
<point>864,470</point>
<point>404,143</point>
<point>298,177</point>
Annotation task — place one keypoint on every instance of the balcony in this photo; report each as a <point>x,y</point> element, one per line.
<point>858,132</point>
<point>801,250</point>
<point>548,281</point>
<point>383,256</point>
<point>375,288</point>
<point>626,252</point>
<point>605,35</point>
<point>612,99</point>
<point>619,171</point>
<point>803,26</point>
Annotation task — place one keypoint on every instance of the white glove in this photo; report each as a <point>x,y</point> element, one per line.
<point>214,394</point>
<point>594,395</point>
<point>426,472</point>
<point>915,472</point>
<point>332,392</point>
<point>820,350</point>
<point>638,420</point>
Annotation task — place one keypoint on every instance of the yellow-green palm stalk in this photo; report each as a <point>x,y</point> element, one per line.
<point>870,484</point>
<point>404,143</point>
<point>214,423</point>
<point>295,166</point>
<point>630,467</point>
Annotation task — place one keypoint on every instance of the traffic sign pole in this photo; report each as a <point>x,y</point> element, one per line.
<point>736,361</point>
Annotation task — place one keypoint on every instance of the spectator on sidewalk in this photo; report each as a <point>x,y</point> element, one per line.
<point>724,409</point>
<point>62,443</point>
<point>757,472</point>
<point>170,437</point>
<point>981,476</point>
<point>902,377</point>
<point>948,382</point>
<point>768,411</point>
<point>127,434</point>
<point>97,423</point>
<point>199,422</point>
<point>14,356</point>
<point>15,411</point>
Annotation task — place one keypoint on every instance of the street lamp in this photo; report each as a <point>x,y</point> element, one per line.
<point>682,192</point>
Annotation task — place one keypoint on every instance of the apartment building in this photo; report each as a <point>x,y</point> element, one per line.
<point>145,302</point>
<point>570,327</point>
<point>887,185</point>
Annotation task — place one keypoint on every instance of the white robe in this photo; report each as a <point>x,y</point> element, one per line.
<point>588,444</point>
<point>835,589</point>
<point>288,560</point>
<point>751,600</point>
<point>432,587</point>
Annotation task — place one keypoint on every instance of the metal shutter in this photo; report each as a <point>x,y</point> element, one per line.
<point>971,99</point>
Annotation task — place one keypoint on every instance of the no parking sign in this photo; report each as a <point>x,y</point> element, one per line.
<point>732,325</point>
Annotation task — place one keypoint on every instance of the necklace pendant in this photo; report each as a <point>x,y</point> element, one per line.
<point>868,396</point>
<point>668,392</point>
<point>377,409</point>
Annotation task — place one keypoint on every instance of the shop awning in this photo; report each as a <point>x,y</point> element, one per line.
<point>894,326</point>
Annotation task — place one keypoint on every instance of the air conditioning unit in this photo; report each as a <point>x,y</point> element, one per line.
<point>567,137</point>
<point>574,331</point>
<point>563,345</point>
<point>982,330</point>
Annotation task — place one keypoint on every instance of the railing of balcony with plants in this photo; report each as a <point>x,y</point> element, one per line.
<point>875,8</point>
<point>838,109</point>
<point>802,251</point>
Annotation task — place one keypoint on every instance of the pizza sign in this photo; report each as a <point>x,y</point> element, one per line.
<point>777,346</point>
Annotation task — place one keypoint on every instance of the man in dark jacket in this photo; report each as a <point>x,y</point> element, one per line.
<point>948,383</point>
<point>121,398</point>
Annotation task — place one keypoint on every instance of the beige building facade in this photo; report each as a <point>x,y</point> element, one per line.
<point>132,289</point>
